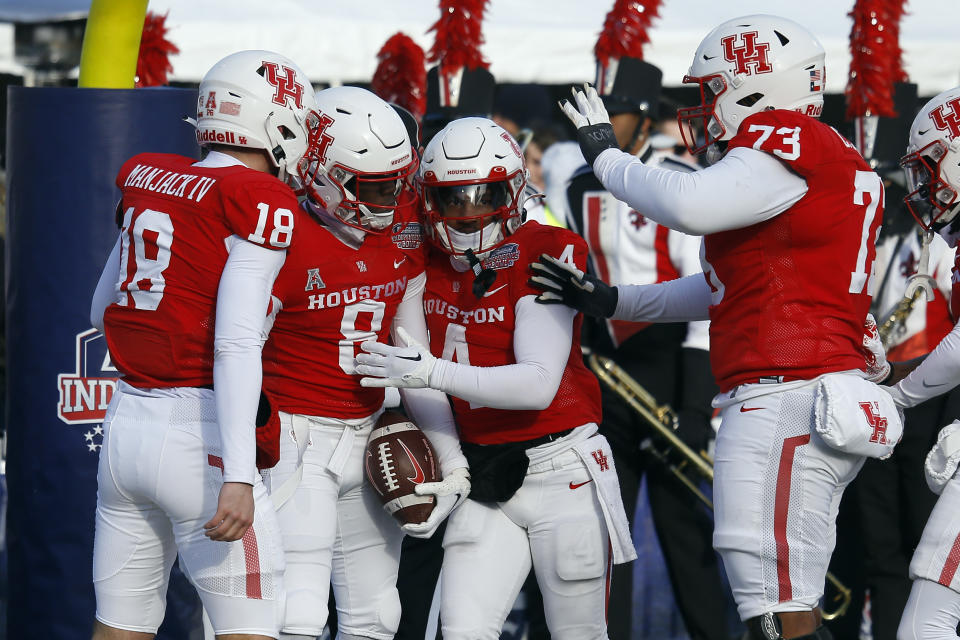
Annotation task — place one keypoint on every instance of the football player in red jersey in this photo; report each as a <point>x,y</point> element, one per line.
<point>354,272</point>
<point>932,167</point>
<point>789,212</point>
<point>544,487</point>
<point>183,301</point>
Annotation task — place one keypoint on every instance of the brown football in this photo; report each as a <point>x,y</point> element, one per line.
<point>399,457</point>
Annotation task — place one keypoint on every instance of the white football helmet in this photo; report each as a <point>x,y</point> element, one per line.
<point>359,160</point>
<point>932,162</point>
<point>747,65</point>
<point>472,180</point>
<point>257,100</point>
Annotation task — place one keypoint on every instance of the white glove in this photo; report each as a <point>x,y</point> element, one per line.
<point>594,131</point>
<point>406,367</point>
<point>589,109</point>
<point>876,358</point>
<point>942,461</point>
<point>451,492</point>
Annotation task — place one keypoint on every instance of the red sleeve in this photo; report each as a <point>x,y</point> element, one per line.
<point>259,208</point>
<point>801,142</point>
<point>559,243</point>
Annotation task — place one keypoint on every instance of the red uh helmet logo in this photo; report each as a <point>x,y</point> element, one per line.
<point>286,85</point>
<point>750,58</point>
<point>323,139</point>
<point>948,121</point>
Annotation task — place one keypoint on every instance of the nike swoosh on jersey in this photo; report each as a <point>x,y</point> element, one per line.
<point>579,484</point>
<point>397,263</point>
<point>931,386</point>
<point>418,475</point>
<point>744,408</point>
<point>417,359</point>
<point>493,291</point>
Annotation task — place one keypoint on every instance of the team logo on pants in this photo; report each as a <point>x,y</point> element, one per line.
<point>86,392</point>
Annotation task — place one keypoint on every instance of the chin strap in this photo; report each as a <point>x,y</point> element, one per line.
<point>483,277</point>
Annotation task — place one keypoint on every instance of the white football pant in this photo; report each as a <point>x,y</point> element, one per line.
<point>158,483</point>
<point>776,490</point>
<point>335,530</point>
<point>933,610</point>
<point>554,522</point>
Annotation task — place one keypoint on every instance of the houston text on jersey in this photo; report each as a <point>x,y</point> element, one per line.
<point>353,294</point>
<point>477,316</point>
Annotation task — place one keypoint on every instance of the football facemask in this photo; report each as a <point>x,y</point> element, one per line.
<point>470,216</point>
<point>930,199</point>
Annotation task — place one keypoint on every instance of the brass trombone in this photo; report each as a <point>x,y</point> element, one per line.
<point>663,420</point>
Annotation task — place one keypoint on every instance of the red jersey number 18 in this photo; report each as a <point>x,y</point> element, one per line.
<point>146,243</point>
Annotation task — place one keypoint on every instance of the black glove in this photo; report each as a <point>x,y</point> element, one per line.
<point>594,131</point>
<point>565,284</point>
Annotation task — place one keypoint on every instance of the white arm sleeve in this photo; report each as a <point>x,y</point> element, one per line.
<point>541,345</point>
<point>106,291</point>
<point>680,300</point>
<point>685,253</point>
<point>936,375</point>
<point>745,187</point>
<point>241,330</point>
<point>428,408</point>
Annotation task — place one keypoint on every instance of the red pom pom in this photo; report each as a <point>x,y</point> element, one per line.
<point>876,63</point>
<point>401,75</point>
<point>625,30</point>
<point>153,62</point>
<point>459,35</point>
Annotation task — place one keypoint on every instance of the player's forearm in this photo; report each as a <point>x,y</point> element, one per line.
<point>242,302</point>
<point>428,408</point>
<point>681,300</point>
<point>744,188</point>
<point>106,290</point>
<point>541,345</point>
<point>936,375</point>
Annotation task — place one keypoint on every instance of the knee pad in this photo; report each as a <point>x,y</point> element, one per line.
<point>382,619</point>
<point>581,551</point>
<point>305,613</point>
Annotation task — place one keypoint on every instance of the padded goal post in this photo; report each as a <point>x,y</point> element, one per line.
<point>64,148</point>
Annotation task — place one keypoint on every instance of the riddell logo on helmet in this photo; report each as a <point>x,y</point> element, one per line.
<point>223,137</point>
<point>948,121</point>
<point>751,57</point>
<point>286,85</point>
<point>812,110</point>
